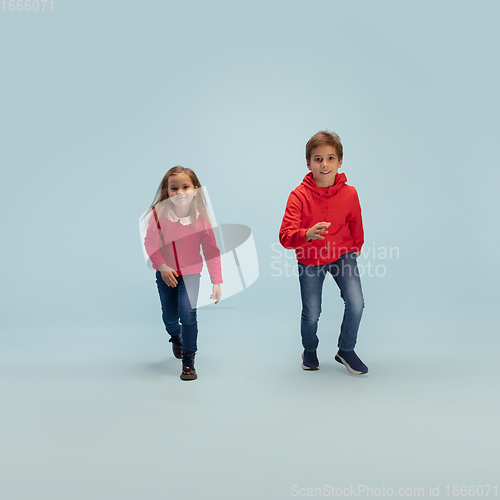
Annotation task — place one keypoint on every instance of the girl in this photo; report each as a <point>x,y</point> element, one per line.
<point>178,225</point>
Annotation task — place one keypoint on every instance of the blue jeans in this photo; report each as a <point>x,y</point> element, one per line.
<point>346,275</point>
<point>179,304</point>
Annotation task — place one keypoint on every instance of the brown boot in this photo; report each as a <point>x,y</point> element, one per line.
<point>188,371</point>
<point>177,344</point>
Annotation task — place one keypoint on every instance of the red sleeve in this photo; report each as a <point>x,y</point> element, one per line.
<point>291,234</point>
<point>152,243</point>
<point>356,223</point>
<point>211,253</point>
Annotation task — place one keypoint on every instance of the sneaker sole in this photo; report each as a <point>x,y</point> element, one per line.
<point>310,368</point>
<point>189,377</point>
<point>346,364</point>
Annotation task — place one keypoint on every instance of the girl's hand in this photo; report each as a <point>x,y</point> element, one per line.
<point>315,232</point>
<point>168,274</point>
<point>215,293</point>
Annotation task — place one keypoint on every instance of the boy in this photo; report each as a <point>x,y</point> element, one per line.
<point>323,223</point>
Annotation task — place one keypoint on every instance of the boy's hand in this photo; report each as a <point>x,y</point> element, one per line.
<point>315,232</point>
<point>216,293</point>
<point>357,254</point>
<point>168,274</point>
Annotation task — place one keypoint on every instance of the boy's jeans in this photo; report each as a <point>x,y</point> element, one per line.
<point>179,303</point>
<point>346,275</point>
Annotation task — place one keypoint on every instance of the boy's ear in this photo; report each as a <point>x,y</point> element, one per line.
<point>308,166</point>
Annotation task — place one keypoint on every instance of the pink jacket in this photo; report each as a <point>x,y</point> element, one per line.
<point>180,249</point>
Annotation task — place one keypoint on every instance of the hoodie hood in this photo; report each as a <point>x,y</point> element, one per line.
<point>309,183</point>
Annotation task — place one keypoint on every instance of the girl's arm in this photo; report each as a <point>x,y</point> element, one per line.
<point>211,253</point>
<point>216,293</point>
<point>168,275</point>
<point>152,243</point>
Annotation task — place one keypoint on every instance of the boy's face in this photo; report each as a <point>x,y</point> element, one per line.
<point>324,164</point>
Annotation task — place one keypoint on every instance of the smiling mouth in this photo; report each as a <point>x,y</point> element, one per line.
<point>329,172</point>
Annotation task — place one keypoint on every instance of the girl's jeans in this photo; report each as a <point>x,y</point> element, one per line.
<point>346,275</point>
<point>179,303</point>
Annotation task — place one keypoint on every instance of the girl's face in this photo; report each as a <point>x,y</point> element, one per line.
<point>181,190</point>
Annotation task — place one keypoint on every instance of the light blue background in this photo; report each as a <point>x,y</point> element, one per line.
<point>99,99</point>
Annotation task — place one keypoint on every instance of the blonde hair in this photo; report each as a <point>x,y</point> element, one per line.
<point>198,209</point>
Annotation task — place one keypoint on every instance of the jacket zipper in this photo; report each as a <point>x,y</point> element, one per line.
<point>326,247</point>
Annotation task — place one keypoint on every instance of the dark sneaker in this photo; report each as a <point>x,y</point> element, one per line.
<point>310,360</point>
<point>177,344</point>
<point>188,371</point>
<point>351,361</point>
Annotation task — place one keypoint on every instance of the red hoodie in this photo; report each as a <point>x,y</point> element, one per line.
<point>309,204</point>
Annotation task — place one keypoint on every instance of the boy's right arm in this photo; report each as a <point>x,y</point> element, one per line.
<point>291,234</point>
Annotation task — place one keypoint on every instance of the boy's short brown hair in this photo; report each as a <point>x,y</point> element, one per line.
<point>321,138</point>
